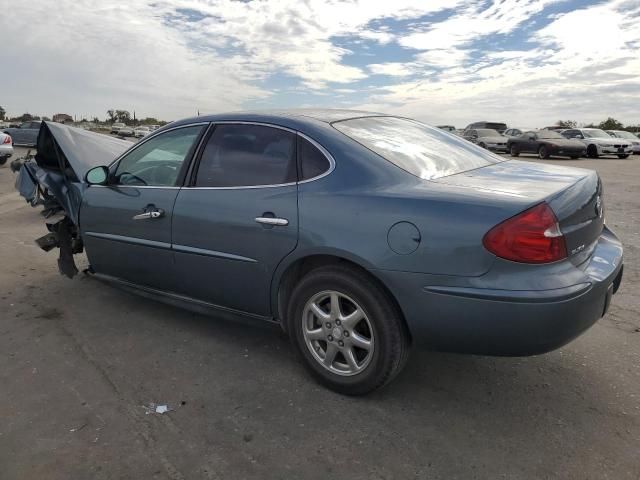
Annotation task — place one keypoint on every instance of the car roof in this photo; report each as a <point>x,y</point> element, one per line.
<point>292,118</point>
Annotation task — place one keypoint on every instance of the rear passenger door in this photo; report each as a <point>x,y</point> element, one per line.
<point>238,216</point>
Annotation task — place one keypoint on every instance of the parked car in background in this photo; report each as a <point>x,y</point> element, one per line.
<point>512,132</point>
<point>545,143</point>
<point>632,137</point>
<point>140,132</point>
<point>153,128</point>
<point>499,126</point>
<point>447,128</point>
<point>358,233</point>
<point>6,147</point>
<point>125,132</point>
<point>599,142</point>
<point>26,134</point>
<point>115,128</point>
<point>487,138</point>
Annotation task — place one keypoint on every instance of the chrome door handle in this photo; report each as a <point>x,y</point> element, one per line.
<point>272,221</point>
<point>152,214</point>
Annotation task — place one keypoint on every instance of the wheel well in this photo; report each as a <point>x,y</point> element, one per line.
<point>301,267</point>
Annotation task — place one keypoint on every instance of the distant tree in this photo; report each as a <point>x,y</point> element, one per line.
<point>123,116</point>
<point>25,117</point>
<point>3,112</point>
<point>567,123</point>
<point>95,120</point>
<point>611,124</point>
<point>150,121</point>
<point>112,115</point>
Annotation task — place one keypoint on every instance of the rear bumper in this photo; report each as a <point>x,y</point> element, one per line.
<point>493,321</point>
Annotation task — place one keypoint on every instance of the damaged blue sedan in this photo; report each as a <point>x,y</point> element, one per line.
<point>359,233</point>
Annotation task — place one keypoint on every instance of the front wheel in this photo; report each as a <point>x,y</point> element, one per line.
<point>592,151</point>
<point>347,330</point>
<point>514,151</point>
<point>543,152</point>
<point>623,155</point>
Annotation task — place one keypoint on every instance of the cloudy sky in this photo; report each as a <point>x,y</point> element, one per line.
<point>526,62</point>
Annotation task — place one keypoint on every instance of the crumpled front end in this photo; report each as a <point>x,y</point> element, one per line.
<point>54,178</point>
<point>60,205</point>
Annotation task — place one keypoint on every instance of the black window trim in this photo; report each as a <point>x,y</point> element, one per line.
<point>195,163</point>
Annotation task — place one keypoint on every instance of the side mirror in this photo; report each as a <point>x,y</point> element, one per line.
<point>97,176</point>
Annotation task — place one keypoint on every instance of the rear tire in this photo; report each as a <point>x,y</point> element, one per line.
<point>592,151</point>
<point>543,152</point>
<point>623,156</point>
<point>349,333</point>
<point>514,151</point>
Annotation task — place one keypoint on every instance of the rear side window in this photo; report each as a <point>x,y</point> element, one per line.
<point>247,155</point>
<point>423,151</point>
<point>312,161</point>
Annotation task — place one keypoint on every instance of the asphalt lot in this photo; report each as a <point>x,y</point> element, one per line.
<point>80,361</point>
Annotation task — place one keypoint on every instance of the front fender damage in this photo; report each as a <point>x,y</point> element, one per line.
<point>36,185</point>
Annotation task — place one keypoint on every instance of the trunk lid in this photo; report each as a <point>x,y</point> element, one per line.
<point>574,194</point>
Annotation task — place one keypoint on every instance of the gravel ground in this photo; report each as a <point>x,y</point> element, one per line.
<point>82,363</point>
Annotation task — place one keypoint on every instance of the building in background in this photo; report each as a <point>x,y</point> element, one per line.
<point>62,118</point>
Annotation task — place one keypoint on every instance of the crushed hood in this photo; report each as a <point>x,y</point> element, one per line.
<point>65,154</point>
<point>81,149</point>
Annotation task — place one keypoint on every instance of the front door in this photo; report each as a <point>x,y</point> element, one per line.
<point>126,225</point>
<point>239,217</point>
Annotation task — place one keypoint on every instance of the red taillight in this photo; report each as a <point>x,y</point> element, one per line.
<point>532,236</point>
<point>7,139</point>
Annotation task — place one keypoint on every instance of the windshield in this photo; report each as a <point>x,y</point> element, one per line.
<point>596,133</point>
<point>549,134</point>
<point>423,151</point>
<point>623,134</point>
<point>486,132</point>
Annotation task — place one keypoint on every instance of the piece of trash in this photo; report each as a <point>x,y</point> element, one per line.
<point>156,408</point>
<point>77,429</point>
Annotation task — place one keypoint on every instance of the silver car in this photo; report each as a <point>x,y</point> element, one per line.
<point>487,138</point>
<point>632,137</point>
<point>599,142</point>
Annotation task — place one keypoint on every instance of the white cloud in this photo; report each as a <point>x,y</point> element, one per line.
<point>169,58</point>
<point>393,69</point>
<point>586,67</point>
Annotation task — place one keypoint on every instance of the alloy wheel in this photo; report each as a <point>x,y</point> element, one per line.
<point>338,333</point>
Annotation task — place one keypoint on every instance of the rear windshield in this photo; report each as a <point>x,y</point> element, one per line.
<point>423,151</point>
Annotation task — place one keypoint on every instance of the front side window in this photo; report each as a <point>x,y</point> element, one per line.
<point>158,161</point>
<point>423,151</point>
<point>247,155</point>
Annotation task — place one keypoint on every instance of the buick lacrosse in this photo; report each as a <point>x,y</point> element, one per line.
<point>359,233</point>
